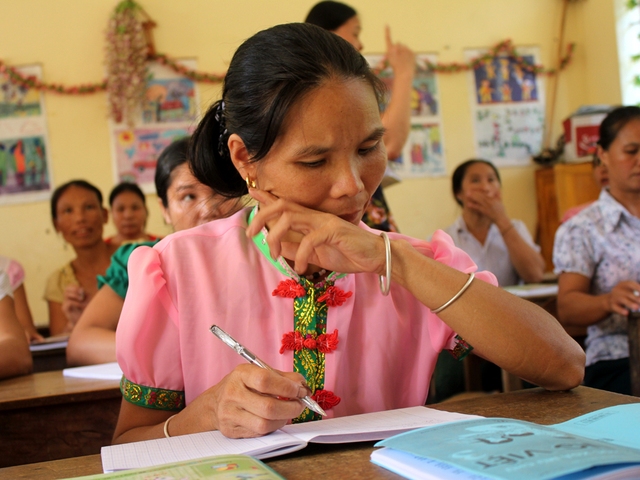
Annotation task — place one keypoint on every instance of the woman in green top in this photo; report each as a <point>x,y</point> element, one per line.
<point>185,203</point>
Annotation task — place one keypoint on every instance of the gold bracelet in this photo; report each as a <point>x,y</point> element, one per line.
<point>166,426</point>
<point>457,295</point>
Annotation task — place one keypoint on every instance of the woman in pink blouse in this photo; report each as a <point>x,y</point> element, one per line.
<point>348,315</point>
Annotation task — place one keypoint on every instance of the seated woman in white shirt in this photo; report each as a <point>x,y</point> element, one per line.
<point>484,230</point>
<point>495,243</point>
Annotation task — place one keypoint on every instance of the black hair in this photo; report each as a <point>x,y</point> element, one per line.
<point>171,157</point>
<point>268,74</point>
<point>330,15</point>
<point>57,193</point>
<point>126,187</point>
<point>614,122</point>
<point>461,170</point>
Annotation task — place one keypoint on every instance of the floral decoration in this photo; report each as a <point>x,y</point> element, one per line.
<point>289,289</point>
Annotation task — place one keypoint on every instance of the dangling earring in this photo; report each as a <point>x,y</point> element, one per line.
<point>250,183</point>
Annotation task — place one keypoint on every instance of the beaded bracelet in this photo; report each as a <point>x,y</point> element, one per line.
<point>166,426</point>
<point>457,295</point>
<point>386,283</point>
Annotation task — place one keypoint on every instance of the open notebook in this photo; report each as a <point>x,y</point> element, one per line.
<point>355,428</point>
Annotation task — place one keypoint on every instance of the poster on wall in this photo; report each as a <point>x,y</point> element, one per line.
<point>25,170</point>
<point>169,112</point>
<point>423,153</point>
<point>507,105</point>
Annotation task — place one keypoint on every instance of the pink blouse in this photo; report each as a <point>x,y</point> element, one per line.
<point>212,274</point>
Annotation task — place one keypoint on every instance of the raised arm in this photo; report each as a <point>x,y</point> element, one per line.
<point>93,340</point>
<point>397,114</point>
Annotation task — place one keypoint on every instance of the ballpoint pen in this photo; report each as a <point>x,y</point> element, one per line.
<point>251,358</point>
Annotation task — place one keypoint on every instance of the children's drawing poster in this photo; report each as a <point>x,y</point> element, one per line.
<point>168,112</point>
<point>507,108</point>
<point>423,153</point>
<point>25,170</point>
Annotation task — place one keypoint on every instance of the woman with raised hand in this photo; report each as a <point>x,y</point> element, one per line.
<point>185,203</point>
<point>351,316</point>
<point>343,20</point>
<point>597,259</point>
<point>78,215</point>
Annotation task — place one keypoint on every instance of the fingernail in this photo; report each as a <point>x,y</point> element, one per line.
<point>304,390</point>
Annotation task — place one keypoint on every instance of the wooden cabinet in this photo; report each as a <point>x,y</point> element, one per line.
<point>559,188</point>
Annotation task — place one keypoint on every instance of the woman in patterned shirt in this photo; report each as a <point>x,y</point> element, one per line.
<point>597,257</point>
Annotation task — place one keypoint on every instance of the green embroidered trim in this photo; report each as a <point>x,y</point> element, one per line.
<point>310,318</point>
<point>149,397</point>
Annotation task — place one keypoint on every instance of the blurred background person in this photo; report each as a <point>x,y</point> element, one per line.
<point>15,272</point>
<point>601,178</point>
<point>78,215</point>
<point>15,357</point>
<point>185,203</point>
<point>484,230</point>
<point>129,213</point>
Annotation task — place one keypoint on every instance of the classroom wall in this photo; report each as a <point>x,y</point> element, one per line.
<point>67,38</point>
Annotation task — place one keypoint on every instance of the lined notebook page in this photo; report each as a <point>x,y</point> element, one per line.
<point>355,428</point>
<point>189,447</point>
<point>371,426</point>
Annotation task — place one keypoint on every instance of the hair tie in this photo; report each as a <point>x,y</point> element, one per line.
<point>221,119</point>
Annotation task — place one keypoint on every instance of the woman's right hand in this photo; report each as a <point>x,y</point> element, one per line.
<point>622,298</point>
<point>401,58</point>
<point>73,304</point>
<point>251,401</point>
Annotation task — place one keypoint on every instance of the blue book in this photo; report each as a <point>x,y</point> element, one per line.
<point>603,444</point>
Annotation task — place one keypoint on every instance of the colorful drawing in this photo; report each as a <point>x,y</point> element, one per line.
<point>485,91</point>
<point>512,85</point>
<point>25,172</point>
<point>423,153</point>
<point>18,101</point>
<point>514,133</point>
<point>169,100</point>
<point>507,104</point>
<point>425,91</point>
<point>23,165</point>
<point>137,150</point>
<point>169,111</point>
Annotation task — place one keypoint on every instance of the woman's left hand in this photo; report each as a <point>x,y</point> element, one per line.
<point>311,237</point>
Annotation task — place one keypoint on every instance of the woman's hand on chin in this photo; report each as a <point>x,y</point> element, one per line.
<point>320,238</point>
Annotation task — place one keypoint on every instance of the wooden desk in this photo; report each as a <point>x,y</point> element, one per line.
<point>49,360</point>
<point>46,416</point>
<point>352,460</point>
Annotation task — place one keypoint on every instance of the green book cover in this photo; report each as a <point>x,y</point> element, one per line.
<point>222,467</point>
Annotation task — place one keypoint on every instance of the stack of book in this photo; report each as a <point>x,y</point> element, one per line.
<point>604,444</point>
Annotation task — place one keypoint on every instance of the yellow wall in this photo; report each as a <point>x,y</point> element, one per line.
<point>66,37</point>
